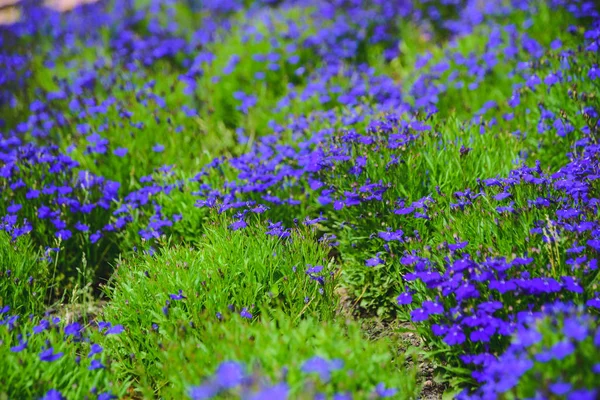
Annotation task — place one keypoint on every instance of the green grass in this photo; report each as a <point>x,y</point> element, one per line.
<point>24,275</point>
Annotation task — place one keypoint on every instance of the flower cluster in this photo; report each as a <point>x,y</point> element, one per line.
<point>554,343</point>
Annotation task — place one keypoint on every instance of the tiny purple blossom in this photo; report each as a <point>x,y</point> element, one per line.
<point>95,349</point>
<point>120,152</point>
<point>229,374</point>
<point>178,296</point>
<point>20,347</point>
<point>381,391</point>
<point>48,355</point>
<point>52,394</point>
<point>96,364</point>
<point>114,330</point>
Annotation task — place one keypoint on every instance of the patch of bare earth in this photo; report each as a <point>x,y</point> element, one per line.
<point>401,334</point>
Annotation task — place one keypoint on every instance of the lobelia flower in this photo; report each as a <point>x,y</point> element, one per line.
<point>375,261</point>
<point>114,330</point>
<point>279,391</point>
<point>120,152</point>
<point>20,347</point>
<point>42,326</point>
<point>391,236</point>
<point>322,367</point>
<point>95,349</point>
<point>202,392</point>
<point>381,391</point>
<point>560,388</point>
<point>73,329</point>
<point>158,148</point>
<point>404,298</point>
<point>48,355</point>
<point>229,374</point>
<point>342,396</point>
<point>238,225</point>
<point>52,394</point>
<point>575,328</point>
<point>96,364</point>
<point>178,296</point>
<point>455,336</point>
<point>457,246</point>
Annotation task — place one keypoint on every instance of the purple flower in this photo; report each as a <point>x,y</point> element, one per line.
<point>593,303</point>
<point>390,236</point>
<point>229,374</point>
<point>594,244</point>
<point>94,237</point>
<point>276,392</point>
<point>95,364</point>
<point>381,391</point>
<point>575,328</point>
<point>314,270</point>
<point>562,349</point>
<point>404,211</point>
<point>560,388</point>
<point>13,208</point>
<point>114,330</point>
<point>322,367</point>
<point>178,296</point>
<point>158,148</point>
<point>419,315</point>
<point>238,225</point>
<point>202,392</point>
<point>120,152</point>
<point>572,285</point>
<point>404,298</point>
<point>48,355</point>
<point>455,336</point>
<point>439,330</point>
<point>53,394</point>
<point>482,334</point>
<point>42,326</point>
<point>342,396</point>
<point>20,347</point>
<point>73,329</point>
<point>556,44</point>
<point>245,313</point>
<point>457,246</point>
<point>433,307</point>
<point>95,349</point>
<point>375,261</point>
<point>583,394</point>
<point>502,196</point>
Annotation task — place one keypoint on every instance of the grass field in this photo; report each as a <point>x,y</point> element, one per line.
<point>300,199</point>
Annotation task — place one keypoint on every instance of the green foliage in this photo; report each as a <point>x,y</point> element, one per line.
<point>227,270</point>
<point>178,355</point>
<point>24,275</point>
